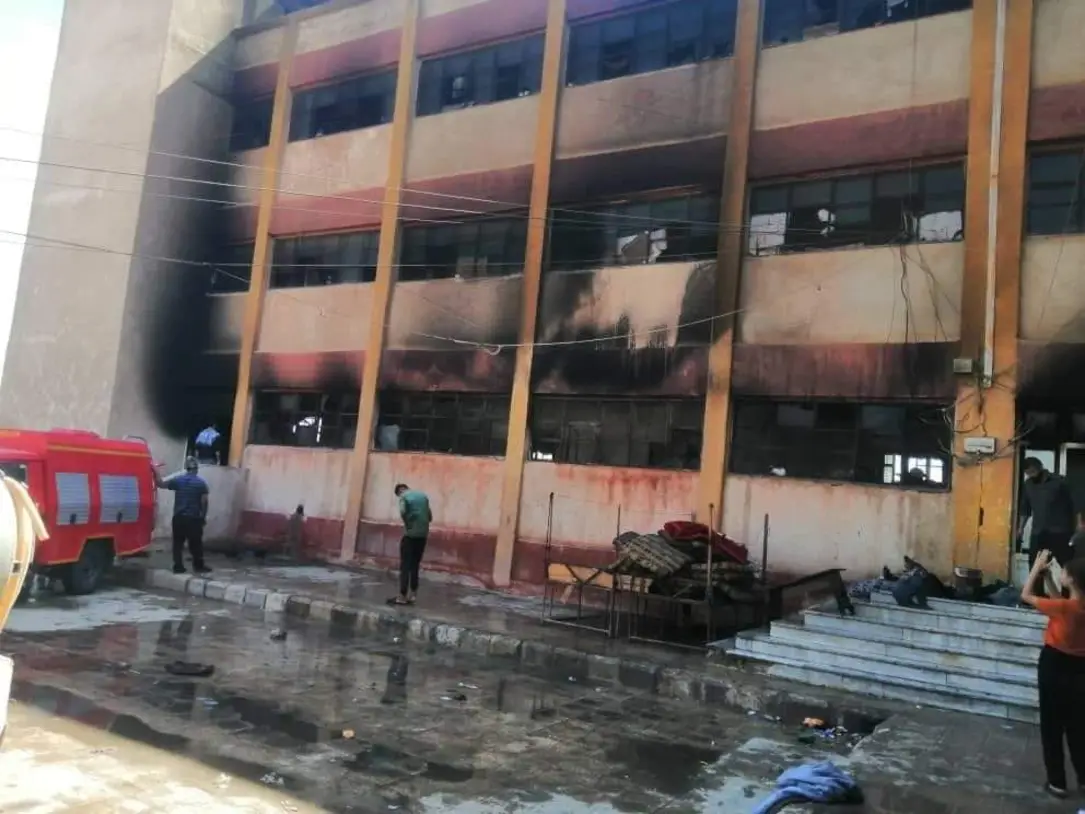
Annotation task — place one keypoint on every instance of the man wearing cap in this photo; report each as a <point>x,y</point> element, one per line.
<point>189,514</point>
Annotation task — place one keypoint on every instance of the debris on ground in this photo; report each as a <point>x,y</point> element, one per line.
<point>813,723</point>
<point>467,686</point>
<point>348,734</point>
<point>452,695</point>
<point>272,779</point>
<point>190,669</point>
<point>278,634</point>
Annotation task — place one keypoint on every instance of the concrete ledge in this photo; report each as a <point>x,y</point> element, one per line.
<point>731,684</point>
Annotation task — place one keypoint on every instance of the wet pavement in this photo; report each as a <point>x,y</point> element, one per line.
<point>328,721</point>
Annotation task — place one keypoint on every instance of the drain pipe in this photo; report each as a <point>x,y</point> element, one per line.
<point>992,195</point>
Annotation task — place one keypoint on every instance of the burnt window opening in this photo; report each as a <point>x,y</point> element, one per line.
<point>353,104</point>
<point>304,418</point>
<point>251,127</point>
<point>315,260</point>
<point>904,445</point>
<point>651,39</point>
<point>507,71</point>
<point>649,433</point>
<point>667,230</point>
<point>907,206</point>
<point>449,423</point>
<point>231,271</point>
<point>796,20</point>
<point>483,247</point>
<point>1054,203</point>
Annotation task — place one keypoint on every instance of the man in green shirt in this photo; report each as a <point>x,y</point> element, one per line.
<point>415,511</point>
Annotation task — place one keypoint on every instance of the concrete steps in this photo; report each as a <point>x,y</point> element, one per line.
<point>960,656</point>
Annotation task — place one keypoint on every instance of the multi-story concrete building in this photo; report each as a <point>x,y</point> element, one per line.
<point>648,260</point>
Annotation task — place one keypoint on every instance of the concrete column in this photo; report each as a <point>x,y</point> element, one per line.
<point>983,490</point>
<point>261,255</point>
<point>515,447</point>
<point>386,274</point>
<point>717,420</point>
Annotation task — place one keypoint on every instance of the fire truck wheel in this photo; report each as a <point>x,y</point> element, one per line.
<point>84,576</point>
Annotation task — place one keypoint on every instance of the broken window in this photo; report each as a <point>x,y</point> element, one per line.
<point>665,230</point>
<point>450,423</point>
<point>887,444</point>
<point>251,127</point>
<point>649,40</point>
<point>1054,204</point>
<point>315,260</point>
<point>304,418</point>
<point>652,433</point>
<point>482,247</point>
<point>920,205</point>
<point>506,71</point>
<point>232,269</point>
<point>364,101</point>
<point>795,20</point>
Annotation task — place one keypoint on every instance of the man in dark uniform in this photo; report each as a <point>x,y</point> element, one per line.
<point>1047,500</point>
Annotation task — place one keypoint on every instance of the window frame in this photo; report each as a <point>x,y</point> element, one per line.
<point>639,437</point>
<point>1074,209</point>
<point>862,448</point>
<point>304,108</point>
<point>335,410</point>
<point>644,39</point>
<point>285,270</point>
<point>589,236</point>
<point>788,21</point>
<point>421,246</point>
<point>480,68</point>
<point>761,243</point>
<point>421,416</point>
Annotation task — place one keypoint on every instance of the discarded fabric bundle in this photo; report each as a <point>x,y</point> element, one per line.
<point>811,783</point>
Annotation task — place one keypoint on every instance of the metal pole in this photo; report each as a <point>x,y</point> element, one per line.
<point>765,552</point>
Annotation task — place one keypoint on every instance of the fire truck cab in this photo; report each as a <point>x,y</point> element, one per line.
<point>96,496</point>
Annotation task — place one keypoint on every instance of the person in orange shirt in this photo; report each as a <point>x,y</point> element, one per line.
<point>1061,668</point>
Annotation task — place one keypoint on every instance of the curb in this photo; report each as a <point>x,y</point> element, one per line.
<point>721,684</point>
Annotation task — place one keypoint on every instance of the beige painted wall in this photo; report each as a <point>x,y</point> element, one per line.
<point>815,525</point>
<point>852,295</point>
<point>473,310</point>
<point>1053,289</point>
<point>246,176</point>
<point>259,48</point>
<point>586,501</point>
<point>333,165</point>
<point>464,492</point>
<point>677,104</point>
<point>885,68</point>
<point>649,296</point>
<point>280,478</point>
<point>434,8</point>
<point>353,23</point>
<point>1057,56</point>
<point>475,139</point>
<point>65,340</point>
<point>311,320</point>
<point>227,311</point>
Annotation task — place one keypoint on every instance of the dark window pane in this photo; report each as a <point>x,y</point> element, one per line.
<point>494,74</point>
<point>251,127</point>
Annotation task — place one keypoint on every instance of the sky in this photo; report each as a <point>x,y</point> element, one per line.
<point>29,30</point>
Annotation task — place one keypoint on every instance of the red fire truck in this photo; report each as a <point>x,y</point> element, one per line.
<point>96,495</point>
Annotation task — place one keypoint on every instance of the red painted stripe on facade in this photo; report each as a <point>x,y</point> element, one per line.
<point>322,537</point>
<point>308,370</point>
<point>299,214</point>
<point>452,551</point>
<point>457,371</point>
<point>680,371</point>
<point>696,163</point>
<point>1057,112</point>
<point>478,24</point>
<point>922,370</point>
<point>577,9</point>
<point>380,50</point>
<point>893,135</point>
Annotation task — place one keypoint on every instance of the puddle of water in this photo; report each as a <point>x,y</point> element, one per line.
<point>386,761</point>
<point>663,766</point>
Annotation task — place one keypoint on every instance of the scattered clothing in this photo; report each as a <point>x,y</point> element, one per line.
<point>812,783</point>
<point>1007,596</point>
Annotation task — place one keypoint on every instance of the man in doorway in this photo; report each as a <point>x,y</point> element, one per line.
<point>207,444</point>
<point>1047,500</point>
<point>415,510</point>
<point>189,515</point>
